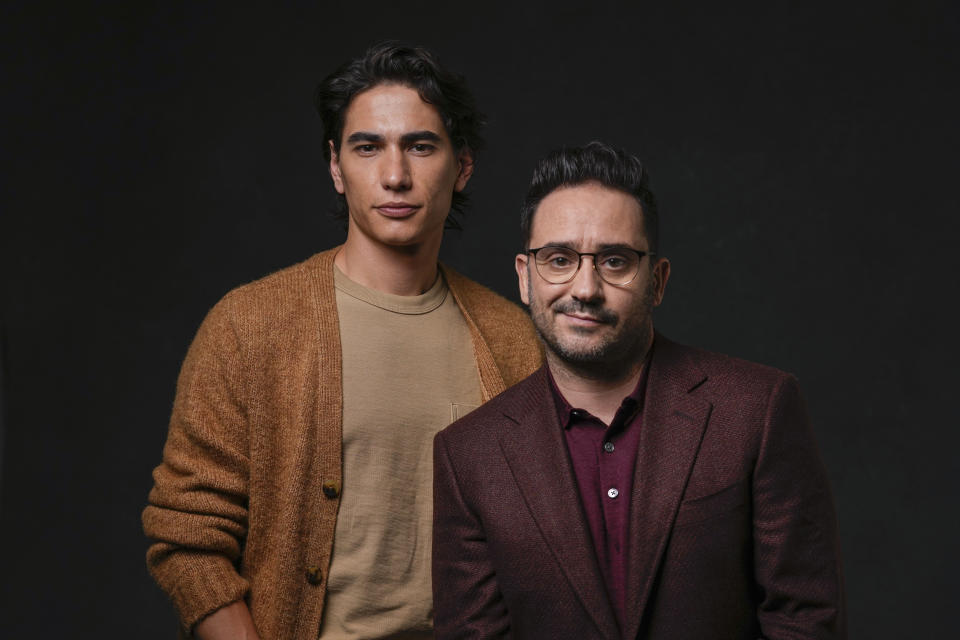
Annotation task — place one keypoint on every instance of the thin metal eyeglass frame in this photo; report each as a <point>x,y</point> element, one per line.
<point>640,255</point>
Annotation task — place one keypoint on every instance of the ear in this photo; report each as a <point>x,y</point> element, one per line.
<point>661,273</point>
<point>523,276</point>
<point>335,169</point>
<point>465,161</point>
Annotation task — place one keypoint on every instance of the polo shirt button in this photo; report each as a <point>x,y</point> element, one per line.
<point>331,489</point>
<point>314,575</point>
<point>608,447</point>
<point>613,493</point>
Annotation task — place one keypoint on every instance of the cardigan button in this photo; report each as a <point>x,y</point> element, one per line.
<point>331,489</point>
<point>314,575</point>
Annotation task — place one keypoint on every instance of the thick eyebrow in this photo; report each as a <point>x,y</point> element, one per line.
<point>405,140</point>
<point>605,246</point>
<point>365,136</point>
<point>619,245</point>
<point>418,136</point>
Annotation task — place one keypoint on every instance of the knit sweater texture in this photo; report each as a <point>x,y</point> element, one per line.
<point>244,503</point>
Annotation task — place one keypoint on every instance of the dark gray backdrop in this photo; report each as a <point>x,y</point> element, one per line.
<point>158,154</point>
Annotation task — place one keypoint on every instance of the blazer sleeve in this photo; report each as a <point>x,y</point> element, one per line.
<point>796,547</point>
<point>196,516</point>
<point>466,599</point>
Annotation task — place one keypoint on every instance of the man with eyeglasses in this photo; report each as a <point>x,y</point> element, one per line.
<point>631,487</point>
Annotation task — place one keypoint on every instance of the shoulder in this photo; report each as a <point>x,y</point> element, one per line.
<point>727,378</point>
<point>277,308</point>
<point>289,286</point>
<point>290,293</point>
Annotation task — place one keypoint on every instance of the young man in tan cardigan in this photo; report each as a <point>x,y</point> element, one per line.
<point>294,497</point>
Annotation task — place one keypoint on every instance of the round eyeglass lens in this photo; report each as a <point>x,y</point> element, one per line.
<point>617,267</point>
<point>557,264</point>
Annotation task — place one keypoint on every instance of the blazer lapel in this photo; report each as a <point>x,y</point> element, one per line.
<point>537,455</point>
<point>673,423</point>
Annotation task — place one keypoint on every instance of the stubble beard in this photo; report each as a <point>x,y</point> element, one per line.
<point>615,356</point>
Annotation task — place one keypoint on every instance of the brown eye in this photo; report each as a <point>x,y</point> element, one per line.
<point>614,262</point>
<point>422,148</point>
<point>558,259</point>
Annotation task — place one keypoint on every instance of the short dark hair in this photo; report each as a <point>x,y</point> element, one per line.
<point>594,162</point>
<point>392,62</point>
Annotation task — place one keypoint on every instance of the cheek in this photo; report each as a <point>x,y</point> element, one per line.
<point>545,296</point>
<point>347,183</point>
<point>638,311</point>
<point>442,179</point>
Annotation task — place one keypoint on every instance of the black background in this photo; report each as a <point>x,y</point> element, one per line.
<point>158,154</point>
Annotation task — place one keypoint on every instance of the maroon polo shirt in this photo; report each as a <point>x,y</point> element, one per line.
<point>604,458</point>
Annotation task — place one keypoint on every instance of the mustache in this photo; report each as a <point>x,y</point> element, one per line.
<point>595,311</point>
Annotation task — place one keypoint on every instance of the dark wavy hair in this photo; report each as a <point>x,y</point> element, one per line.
<point>594,162</point>
<point>392,62</point>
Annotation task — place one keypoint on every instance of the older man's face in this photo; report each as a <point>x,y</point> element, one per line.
<point>587,321</point>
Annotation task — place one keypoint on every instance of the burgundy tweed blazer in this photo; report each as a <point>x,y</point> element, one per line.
<point>732,525</point>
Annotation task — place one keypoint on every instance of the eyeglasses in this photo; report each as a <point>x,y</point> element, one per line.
<point>559,265</point>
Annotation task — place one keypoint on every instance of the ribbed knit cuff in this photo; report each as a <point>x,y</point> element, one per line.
<point>199,584</point>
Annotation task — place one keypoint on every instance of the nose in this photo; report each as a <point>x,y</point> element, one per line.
<point>587,286</point>
<point>395,170</point>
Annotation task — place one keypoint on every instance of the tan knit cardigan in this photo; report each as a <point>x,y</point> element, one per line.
<point>245,501</point>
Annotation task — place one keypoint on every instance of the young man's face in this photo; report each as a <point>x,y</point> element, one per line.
<point>588,321</point>
<point>397,167</point>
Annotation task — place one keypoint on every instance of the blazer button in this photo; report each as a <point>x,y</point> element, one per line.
<point>331,489</point>
<point>314,575</point>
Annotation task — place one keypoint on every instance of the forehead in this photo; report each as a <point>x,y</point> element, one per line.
<point>391,109</point>
<point>587,217</point>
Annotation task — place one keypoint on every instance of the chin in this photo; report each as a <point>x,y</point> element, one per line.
<point>406,237</point>
<point>598,355</point>
<point>400,239</point>
<point>582,351</point>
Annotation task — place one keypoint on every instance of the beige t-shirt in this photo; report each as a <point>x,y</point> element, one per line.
<point>408,371</point>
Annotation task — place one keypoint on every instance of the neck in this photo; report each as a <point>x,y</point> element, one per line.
<point>598,389</point>
<point>407,270</point>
